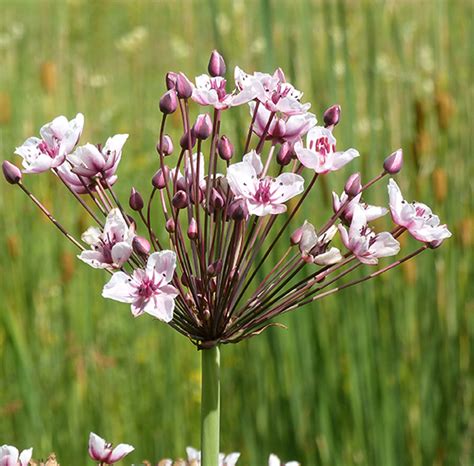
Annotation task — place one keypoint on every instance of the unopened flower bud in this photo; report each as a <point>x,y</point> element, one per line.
<point>203,126</point>
<point>225,148</point>
<point>170,225</point>
<point>238,210</point>
<point>135,201</point>
<point>170,79</point>
<point>285,154</point>
<point>186,138</point>
<point>160,177</point>
<point>213,284</point>
<point>215,268</point>
<point>11,172</point>
<point>332,115</point>
<point>216,200</point>
<point>166,147</point>
<point>234,274</point>
<point>200,196</point>
<point>216,65</point>
<point>435,244</point>
<point>279,129</point>
<point>353,185</point>
<point>296,236</point>
<point>394,162</point>
<point>184,88</point>
<point>181,184</point>
<point>168,102</point>
<point>180,200</point>
<point>192,229</point>
<point>141,245</point>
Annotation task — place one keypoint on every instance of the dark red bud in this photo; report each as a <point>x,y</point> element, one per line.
<point>180,200</point>
<point>184,88</point>
<point>332,116</point>
<point>167,147</point>
<point>353,185</point>
<point>215,268</point>
<point>285,154</point>
<point>192,229</point>
<point>238,210</point>
<point>216,200</point>
<point>187,137</point>
<point>203,126</point>
<point>160,177</point>
<point>141,245</point>
<point>170,225</point>
<point>225,148</point>
<point>168,102</point>
<point>135,201</point>
<point>394,162</point>
<point>11,172</point>
<point>216,65</point>
<point>170,79</point>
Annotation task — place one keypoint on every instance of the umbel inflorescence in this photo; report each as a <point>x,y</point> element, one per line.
<point>200,268</point>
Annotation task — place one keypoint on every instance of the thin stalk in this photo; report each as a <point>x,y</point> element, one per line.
<point>210,406</point>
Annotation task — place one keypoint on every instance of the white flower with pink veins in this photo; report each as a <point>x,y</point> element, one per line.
<point>147,290</point>
<point>212,91</point>
<point>83,166</point>
<point>263,195</point>
<point>364,243</point>
<point>372,212</point>
<point>416,217</point>
<point>101,451</point>
<point>320,151</point>
<point>112,247</point>
<point>58,139</point>
<point>10,456</point>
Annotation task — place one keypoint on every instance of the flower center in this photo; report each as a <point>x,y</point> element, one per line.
<point>263,193</point>
<point>51,151</point>
<point>147,288</point>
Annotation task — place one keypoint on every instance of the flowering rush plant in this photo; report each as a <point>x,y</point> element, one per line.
<point>197,268</point>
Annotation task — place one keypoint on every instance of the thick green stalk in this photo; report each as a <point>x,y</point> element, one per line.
<point>210,406</point>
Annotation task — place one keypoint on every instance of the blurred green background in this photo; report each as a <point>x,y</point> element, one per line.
<point>377,375</point>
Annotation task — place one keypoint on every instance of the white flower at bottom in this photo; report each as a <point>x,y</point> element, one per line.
<point>100,450</point>
<point>147,290</point>
<point>194,458</point>
<point>273,460</point>
<point>315,248</point>
<point>10,456</point>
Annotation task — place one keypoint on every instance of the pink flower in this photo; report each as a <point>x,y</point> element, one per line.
<point>417,218</point>
<point>372,212</point>
<point>58,139</point>
<point>102,452</point>
<point>264,195</point>
<point>211,91</point>
<point>281,129</point>
<point>271,90</point>
<point>194,457</point>
<point>112,247</point>
<point>315,249</point>
<point>147,290</point>
<point>9,456</point>
<point>320,152</point>
<point>90,163</point>
<point>365,244</point>
<point>273,460</point>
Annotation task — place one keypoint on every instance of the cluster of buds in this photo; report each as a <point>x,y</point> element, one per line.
<point>198,269</point>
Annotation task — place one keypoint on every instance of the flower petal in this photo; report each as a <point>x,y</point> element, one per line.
<point>120,451</point>
<point>163,263</point>
<point>119,288</point>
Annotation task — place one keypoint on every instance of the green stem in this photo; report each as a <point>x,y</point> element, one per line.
<point>210,406</point>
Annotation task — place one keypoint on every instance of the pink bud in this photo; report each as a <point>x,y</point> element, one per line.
<point>225,148</point>
<point>435,244</point>
<point>216,200</point>
<point>168,102</point>
<point>170,225</point>
<point>296,236</point>
<point>170,79</point>
<point>215,268</point>
<point>187,137</point>
<point>160,177</point>
<point>141,245</point>
<point>353,185</point>
<point>238,210</point>
<point>167,146</point>
<point>192,229</point>
<point>180,200</point>
<point>216,65</point>
<point>184,88</point>
<point>11,172</point>
<point>285,154</point>
<point>203,126</point>
<point>135,201</point>
<point>394,162</point>
<point>332,115</point>
<point>200,195</point>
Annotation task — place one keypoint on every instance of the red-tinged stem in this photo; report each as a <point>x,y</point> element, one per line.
<point>249,134</point>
